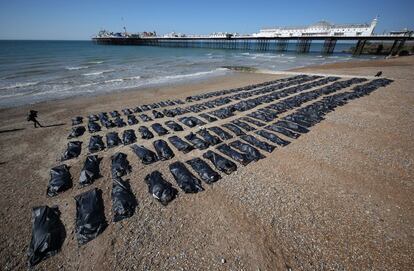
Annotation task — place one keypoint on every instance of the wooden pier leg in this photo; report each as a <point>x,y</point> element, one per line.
<point>359,47</point>
<point>266,45</point>
<point>281,45</point>
<point>303,45</point>
<point>328,46</point>
<point>396,47</point>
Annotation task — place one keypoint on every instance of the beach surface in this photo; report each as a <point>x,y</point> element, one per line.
<point>338,198</point>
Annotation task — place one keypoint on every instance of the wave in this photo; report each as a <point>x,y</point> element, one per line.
<point>114,80</point>
<point>97,73</point>
<point>20,85</point>
<point>15,94</point>
<point>122,79</point>
<point>95,62</point>
<point>76,68</point>
<point>196,74</point>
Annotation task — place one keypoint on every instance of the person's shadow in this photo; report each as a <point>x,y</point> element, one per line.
<point>11,130</point>
<point>53,125</point>
<point>20,129</point>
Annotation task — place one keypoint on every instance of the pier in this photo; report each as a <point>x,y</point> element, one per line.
<point>268,44</point>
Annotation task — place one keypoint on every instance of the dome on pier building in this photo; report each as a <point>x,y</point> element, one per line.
<point>321,24</point>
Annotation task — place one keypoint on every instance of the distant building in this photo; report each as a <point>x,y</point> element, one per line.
<point>404,32</point>
<point>220,35</point>
<point>322,28</point>
<point>148,34</point>
<point>174,35</point>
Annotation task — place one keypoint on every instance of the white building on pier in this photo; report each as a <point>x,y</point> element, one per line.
<point>322,28</point>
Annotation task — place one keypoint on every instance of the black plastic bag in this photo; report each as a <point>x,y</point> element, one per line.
<point>253,121</point>
<point>146,156</point>
<point>157,114</point>
<point>174,126</point>
<point>107,123</point>
<point>164,152</point>
<point>76,132</point>
<point>236,130</point>
<point>283,131</point>
<point>96,143</point>
<point>112,139</point>
<point>123,200</point>
<point>188,121</point>
<point>159,188</point>
<point>197,120</point>
<point>129,137</point>
<point>223,113</point>
<point>258,143</point>
<point>197,142</point>
<point>90,216</point>
<point>132,120</point>
<point>93,127</point>
<point>114,114</point>
<point>209,138</point>
<point>221,163</point>
<point>272,137</point>
<point>204,171</point>
<point>145,117</point>
<point>103,115</point>
<point>251,152</point>
<point>243,125</point>
<point>48,234</point>
<point>77,121</point>
<point>237,156</point>
<point>184,178</point>
<point>119,122</point>
<point>221,133</point>
<point>93,117</point>
<point>208,117</point>
<point>127,111</point>
<point>292,126</point>
<point>73,150</point>
<point>145,132</point>
<point>159,129</point>
<point>299,119</point>
<point>120,165</point>
<point>90,171</point>
<point>180,144</point>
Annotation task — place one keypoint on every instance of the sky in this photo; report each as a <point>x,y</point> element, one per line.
<point>81,19</point>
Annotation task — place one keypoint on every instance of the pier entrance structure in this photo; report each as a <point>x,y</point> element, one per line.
<point>270,44</point>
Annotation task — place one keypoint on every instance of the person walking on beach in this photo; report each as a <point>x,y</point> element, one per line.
<point>32,117</point>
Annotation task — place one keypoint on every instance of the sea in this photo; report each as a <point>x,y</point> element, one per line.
<point>36,71</point>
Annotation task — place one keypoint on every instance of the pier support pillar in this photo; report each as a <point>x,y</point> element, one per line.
<point>281,45</point>
<point>328,46</point>
<point>246,44</point>
<point>262,44</point>
<point>303,45</point>
<point>359,47</point>
<point>396,47</point>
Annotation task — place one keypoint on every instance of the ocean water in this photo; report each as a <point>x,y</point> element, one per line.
<point>35,71</point>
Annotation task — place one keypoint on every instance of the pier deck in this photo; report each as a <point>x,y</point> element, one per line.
<point>277,44</point>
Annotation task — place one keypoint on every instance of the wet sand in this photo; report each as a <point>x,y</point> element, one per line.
<point>339,197</point>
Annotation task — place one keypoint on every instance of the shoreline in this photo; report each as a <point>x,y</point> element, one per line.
<point>66,92</point>
<point>120,99</point>
<point>146,94</point>
<point>337,197</point>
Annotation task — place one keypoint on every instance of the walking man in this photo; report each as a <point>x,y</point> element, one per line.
<point>32,117</point>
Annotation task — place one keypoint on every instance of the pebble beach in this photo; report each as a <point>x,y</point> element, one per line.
<point>336,198</point>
